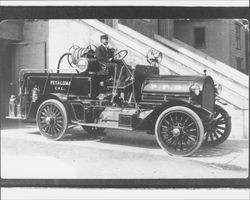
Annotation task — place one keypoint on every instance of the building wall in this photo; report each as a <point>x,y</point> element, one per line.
<point>64,33</point>
<point>144,26</point>
<point>10,32</point>
<point>220,36</point>
<point>165,28</point>
<point>217,36</point>
<point>241,53</point>
<point>149,27</point>
<point>247,51</point>
<point>31,51</point>
<point>5,76</point>
<point>220,39</point>
<point>35,30</point>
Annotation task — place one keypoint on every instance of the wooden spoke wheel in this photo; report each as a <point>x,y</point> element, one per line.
<point>94,130</point>
<point>179,131</point>
<point>218,130</point>
<point>52,119</point>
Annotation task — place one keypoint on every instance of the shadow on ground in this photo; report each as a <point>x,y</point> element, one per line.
<point>134,139</point>
<point>228,147</point>
<point>143,140</point>
<point>117,137</point>
<point>16,124</point>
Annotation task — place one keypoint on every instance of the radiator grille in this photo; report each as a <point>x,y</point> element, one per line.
<point>208,96</point>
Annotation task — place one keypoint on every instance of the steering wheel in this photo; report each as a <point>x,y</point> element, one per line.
<point>120,55</point>
<point>154,57</point>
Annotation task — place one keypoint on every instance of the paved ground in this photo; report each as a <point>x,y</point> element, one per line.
<point>26,154</point>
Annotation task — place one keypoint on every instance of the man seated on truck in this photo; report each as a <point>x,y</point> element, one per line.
<point>105,55</point>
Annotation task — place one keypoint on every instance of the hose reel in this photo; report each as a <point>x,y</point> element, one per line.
<point>77,57</point>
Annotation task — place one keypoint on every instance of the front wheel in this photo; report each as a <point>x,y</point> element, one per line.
<point>179,131</point>
<point>52,119</point>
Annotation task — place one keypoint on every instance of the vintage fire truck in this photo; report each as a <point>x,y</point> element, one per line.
<point>181,111</point>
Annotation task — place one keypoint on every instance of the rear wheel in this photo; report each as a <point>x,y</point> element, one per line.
<point>179,131</point>
<point>52,119</point>
<point>219,128</point>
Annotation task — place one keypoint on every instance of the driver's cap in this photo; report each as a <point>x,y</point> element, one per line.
<point>105,36</point>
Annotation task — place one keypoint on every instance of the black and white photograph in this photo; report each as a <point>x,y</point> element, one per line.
<point>126,101</point>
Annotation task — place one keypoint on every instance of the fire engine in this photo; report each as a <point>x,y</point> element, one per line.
<point>183,112</point>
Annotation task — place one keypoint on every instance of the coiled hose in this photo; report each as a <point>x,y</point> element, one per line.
<point>74,53</point>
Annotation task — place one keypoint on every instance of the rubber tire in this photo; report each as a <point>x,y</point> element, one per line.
<point>193,115</point>
<point>63,112</point>
<point>227,130</point>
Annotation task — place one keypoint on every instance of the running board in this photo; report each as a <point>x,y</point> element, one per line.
<point>101,125</point>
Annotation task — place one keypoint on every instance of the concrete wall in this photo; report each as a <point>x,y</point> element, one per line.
<point>149,27</point>
<point>220,39</point>
<point>247,50</point>
<point>5,76</point>
<point>166,28</point>
<point>64,33</point>
<point>35,30</point>
<point>31,51</point>
<point>240,122</point>
<point>144,26</point>
<point>10,32</point>
<point>241,53</point>
<point>217,36</point>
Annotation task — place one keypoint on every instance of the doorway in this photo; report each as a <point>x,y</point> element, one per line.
<point>13,58</point>
<point>26,55</point>
<point>5,76</point>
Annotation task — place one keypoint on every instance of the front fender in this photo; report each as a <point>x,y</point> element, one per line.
<point>149,122</point>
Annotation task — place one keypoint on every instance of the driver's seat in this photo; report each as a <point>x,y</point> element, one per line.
<point>94,65</point>
<point>90,54</point>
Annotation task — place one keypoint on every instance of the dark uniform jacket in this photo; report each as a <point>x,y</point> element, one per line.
<point>103,54</point>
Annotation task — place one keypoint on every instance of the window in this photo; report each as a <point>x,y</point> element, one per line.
<point>199,37</point>
<point>238,36</point>
<point>238,63</point>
